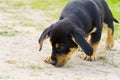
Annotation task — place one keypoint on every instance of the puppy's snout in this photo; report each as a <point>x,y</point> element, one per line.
<point>54,62</point>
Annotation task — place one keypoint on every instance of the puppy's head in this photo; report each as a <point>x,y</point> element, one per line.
<point>65,37</point>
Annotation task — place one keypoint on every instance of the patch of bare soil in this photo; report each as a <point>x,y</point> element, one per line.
<point>21,60</point>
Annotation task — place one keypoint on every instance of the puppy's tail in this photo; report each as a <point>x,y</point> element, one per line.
<point>115,20</point>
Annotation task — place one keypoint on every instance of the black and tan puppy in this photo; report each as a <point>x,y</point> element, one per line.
<point>78,20</point>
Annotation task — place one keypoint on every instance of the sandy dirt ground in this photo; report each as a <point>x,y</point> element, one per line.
<point>21,60</point>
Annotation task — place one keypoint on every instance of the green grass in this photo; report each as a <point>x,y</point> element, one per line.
<point>115,8</point>
<point>53,8</point>
<point>7,31</point>
<point>15,3</point>
<point>33,66</point>
<point>19,3</point>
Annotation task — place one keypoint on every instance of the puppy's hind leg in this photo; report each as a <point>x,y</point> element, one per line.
<point>110,36</point>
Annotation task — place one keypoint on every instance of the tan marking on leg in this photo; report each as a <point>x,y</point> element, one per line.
<point>94,56</point>
<point>79,48</point>
<point>92,31</point>
<point>110,39</point>
<point>105,25</point>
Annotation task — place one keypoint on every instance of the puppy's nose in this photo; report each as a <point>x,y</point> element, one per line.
<point>54,62</point>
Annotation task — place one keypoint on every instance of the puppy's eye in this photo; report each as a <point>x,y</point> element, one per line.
<point>61,47</point>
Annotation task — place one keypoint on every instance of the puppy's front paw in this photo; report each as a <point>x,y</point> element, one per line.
<point>48,59</point>
<point>90,58</point>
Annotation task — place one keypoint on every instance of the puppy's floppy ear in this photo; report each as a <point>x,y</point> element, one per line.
<point>44,35</point>
<point>78,36</point>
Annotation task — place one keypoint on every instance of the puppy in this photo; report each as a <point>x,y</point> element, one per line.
<point>79,19</point>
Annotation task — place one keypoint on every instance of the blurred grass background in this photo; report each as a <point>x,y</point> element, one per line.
<point>115,8</point>
<point>53,8</point>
